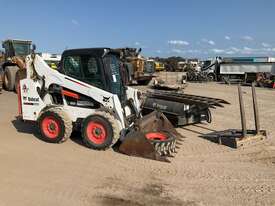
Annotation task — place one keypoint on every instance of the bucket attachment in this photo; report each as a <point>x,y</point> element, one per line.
<point>136,144</point>
<point>152,137</point>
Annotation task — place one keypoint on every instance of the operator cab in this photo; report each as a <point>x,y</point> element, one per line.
<point>99,67</point>
<point>14,47</point>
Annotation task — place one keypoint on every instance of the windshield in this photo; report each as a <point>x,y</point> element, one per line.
<point>149,67</point>
<point>22,49</point>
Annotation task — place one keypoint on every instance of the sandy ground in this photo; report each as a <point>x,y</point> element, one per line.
<point>202,173</point>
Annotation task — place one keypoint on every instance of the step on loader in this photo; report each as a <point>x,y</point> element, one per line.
<point>88,93</point>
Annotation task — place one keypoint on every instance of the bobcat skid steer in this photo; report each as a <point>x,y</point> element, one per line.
<point>88,93</point>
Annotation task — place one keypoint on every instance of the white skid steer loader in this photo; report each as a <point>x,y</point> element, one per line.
<point>88,93</point>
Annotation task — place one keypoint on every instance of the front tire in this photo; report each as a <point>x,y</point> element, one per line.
<point>100,131</point>
<point>55,125</point>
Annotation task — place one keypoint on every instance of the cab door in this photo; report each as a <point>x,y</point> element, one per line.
<point>86,68</point>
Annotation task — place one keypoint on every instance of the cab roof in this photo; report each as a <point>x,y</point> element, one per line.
<point>82,51</point>
<point>18,40</point>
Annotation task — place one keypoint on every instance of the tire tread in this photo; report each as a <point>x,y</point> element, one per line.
<point>68,126</point>
<point>116,131</point>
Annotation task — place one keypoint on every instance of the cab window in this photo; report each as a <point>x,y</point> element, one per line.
<point>92,72</point>
<point>72,66</point>
<point>85,68</point>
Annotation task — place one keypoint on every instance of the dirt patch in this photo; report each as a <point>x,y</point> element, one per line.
<point>117,201</point>
<point>121,193</point>
<point>112,200</point>
<point>154,189</point>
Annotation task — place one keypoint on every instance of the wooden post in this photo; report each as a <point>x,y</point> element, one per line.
<point>255,109</point>
<point>243,119</point>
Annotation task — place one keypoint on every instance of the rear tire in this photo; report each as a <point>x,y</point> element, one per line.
<point>100,131</point>
<point>20,74</point>
<point>55,125</point>
<point>9,77</point>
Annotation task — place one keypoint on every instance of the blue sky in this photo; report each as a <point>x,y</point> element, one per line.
<point>161,27</point>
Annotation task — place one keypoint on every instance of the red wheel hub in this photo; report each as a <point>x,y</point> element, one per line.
<point>156,136</point>
<point>96,133</point>
<point>50,127</point>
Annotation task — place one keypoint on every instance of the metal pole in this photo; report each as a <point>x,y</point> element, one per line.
<point>255,109</point>
<point>243,120</point>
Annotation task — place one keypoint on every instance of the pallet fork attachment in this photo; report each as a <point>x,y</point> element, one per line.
<point>240,138</point>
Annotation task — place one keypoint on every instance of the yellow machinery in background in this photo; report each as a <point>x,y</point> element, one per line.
<point>138,70</point>
<point>159,66</point>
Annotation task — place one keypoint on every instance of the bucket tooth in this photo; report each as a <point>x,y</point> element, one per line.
<point>173,147</point>
<point>170,149</point>
<point>156,147</point>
